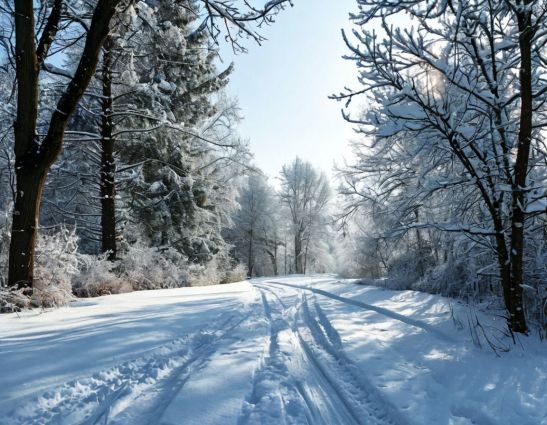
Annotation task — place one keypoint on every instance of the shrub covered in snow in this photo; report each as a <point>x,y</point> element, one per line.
<point>97,277</point>
<point>204,274</point>
<point>12,300</point>
<point>237,274</point>
<point>153,268</point>
<point>57,261</point>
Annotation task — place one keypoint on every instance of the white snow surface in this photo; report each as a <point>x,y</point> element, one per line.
<point>295,350</point>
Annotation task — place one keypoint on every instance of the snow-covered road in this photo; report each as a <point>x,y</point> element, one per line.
<point>295,350</point>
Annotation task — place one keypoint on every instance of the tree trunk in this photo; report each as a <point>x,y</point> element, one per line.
<point>305,268</point>
<point>513,299</point>
<point>29,179</point>
<point>297,254</point>
<point>419,241</point>
<point>272,254</point>
<point>30,183</point>
<point>285,255</point>
<point>275,258</point>
<point>250,260</point>
<point>108,165</point>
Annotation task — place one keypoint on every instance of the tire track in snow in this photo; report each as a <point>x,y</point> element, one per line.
<point>321,339</point>
<point>384,311</point>
<point>271,291</point>
<point>140,386</point>
<point>299,382</point>
<point>146,410</point>
<point>274,399</point>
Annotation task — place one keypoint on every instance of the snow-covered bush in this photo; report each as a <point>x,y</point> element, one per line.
<point>97,277</point>
<point>204,274</point>
<point>152,268</point>
<point>460,277</point>
<point>535,287</point>
<point>57,261</point>
<point>12,300</point>
<point>359,255</point>
<point>408,267</point>
<point>237,274</point>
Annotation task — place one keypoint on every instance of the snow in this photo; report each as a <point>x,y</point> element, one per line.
<point>291,350</point>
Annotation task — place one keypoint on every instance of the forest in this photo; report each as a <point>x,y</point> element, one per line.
<point>123,169</point>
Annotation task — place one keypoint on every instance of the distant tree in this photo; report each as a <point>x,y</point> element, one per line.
<point>305,193</point>
<point>255,233</point>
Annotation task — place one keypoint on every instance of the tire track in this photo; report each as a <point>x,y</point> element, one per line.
<point>384,311</point>
<point>298,381</point>
<point>271,291</point>
<point>274,399</point>
<point>319,337</point>
<point>140,386</point>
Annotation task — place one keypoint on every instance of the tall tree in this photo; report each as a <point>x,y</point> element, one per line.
<point>33,155</point>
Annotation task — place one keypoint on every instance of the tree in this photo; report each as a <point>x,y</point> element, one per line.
<point>305,193</point>
<point>142,96</point>
<point>255,233</point>
<point>460,92</point>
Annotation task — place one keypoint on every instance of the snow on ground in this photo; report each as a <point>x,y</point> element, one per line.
<point>295,350</point>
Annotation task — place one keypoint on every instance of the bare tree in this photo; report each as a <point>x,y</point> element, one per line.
<point>255,234</point>
<point>306,193</point>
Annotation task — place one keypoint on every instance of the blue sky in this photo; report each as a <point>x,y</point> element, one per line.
<point>283,86</point>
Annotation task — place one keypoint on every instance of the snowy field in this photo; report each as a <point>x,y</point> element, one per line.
<point>298,350</point>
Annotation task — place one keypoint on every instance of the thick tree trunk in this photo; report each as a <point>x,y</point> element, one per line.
<point>305,266</point>
<point>108,165</point>
<point>30,185</point>
<point>29,179</point>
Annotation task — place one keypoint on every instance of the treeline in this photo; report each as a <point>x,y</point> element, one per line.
<point>120,164</point>
<point>119,145</point>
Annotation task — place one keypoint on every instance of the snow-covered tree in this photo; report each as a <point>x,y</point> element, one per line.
<point>256,230</point>
<point>305,193</point>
